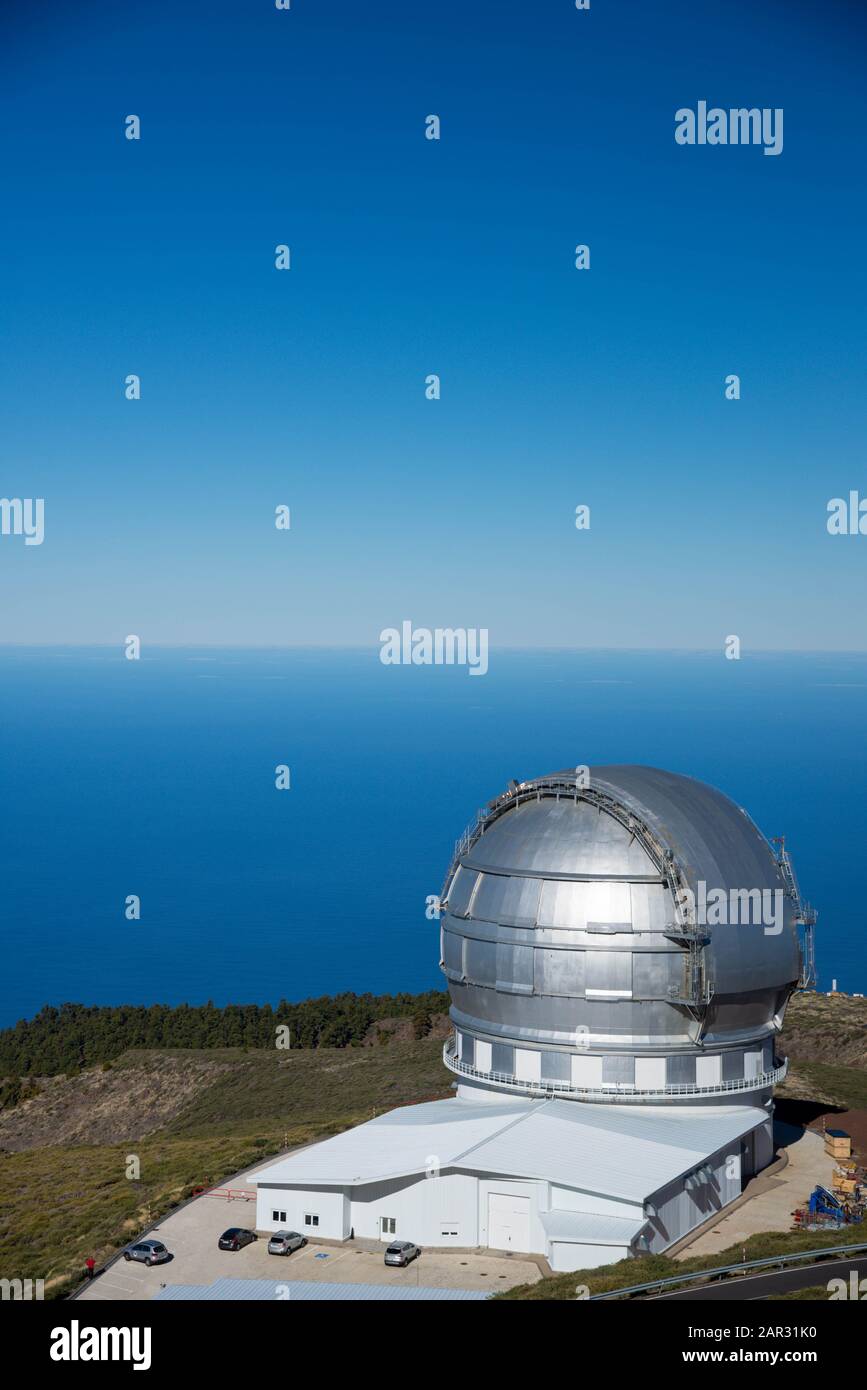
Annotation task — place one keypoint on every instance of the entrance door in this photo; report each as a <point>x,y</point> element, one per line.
<point>508,1222</point>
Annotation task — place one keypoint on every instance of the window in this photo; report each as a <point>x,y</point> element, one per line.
<point>311,1218</point>
<point>388,1225</point>
<point>447,1231</point>
<point>278,1216</point>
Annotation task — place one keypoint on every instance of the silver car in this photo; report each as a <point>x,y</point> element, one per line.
<point>148,1252</point>
<point>284,1242</point>
<point>400,1252</point>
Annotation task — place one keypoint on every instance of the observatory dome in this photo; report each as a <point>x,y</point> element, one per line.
<point>625,935</point>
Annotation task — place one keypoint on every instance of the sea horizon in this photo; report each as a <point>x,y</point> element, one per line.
<point>156,778</point>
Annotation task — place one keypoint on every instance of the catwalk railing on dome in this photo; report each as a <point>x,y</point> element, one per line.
<point>571,788</point>
<point>552,1089</point>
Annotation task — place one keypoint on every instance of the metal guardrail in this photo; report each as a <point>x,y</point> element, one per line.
<point>229,1194</point>
<point>611,1092</point>
<point>729,1269</point>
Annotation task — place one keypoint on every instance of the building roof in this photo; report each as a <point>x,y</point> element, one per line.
<point>401,1142</point>
<point>591,1228</point>
<point>624,1152</point>
<point>306,1291</point>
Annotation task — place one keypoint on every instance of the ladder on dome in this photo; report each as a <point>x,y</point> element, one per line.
<point>696,989</point>
<point>805,915</point>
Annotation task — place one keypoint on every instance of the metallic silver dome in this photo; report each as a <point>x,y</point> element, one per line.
<point>608,937</point>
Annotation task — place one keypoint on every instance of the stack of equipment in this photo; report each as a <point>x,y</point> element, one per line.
<point>838,1144</point>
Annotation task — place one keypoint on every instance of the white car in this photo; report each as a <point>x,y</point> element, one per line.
<point>284,1242</point>
<point>400,1252</point>
<point>147,1252</point>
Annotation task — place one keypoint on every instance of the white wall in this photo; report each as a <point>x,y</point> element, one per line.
<point>423,1209</point>
<point>650,1073</point>
<point>753,1063</point>
<point>568,1199</point>
<point>586,1071</point>
<point>528,1064</point>
<point>426,1208</point>
<point>708,1070</point>
<point>329,1204</point>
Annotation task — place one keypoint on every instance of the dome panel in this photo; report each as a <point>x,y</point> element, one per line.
<point>502,898</point>
<point>461,890</point>
<point>550,837</point>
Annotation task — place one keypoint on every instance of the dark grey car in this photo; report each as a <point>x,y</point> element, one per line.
<point>148,1252</point>
<point>400,1252</point>
<point>236,1238</point>
<point>284,1242</point>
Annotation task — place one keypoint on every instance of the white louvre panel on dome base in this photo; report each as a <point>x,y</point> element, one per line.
<point>564,1090</point>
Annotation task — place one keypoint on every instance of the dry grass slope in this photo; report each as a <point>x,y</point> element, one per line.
<point>67,1199</point>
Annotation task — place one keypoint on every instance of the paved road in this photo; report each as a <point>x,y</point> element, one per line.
<point>757,1286</point>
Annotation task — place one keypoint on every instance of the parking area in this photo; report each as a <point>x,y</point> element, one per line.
<point>191,1235</point>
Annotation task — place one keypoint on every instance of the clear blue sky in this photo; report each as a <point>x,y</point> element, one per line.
<point>411,257</point>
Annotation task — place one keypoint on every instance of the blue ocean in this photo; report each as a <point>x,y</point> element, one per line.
<point>157,778</point>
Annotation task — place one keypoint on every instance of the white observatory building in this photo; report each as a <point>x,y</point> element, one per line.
<point>620,948</point>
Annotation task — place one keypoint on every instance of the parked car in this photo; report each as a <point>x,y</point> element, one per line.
<point>284,1242</point>
<point>148,1252</point>
<point>235,1238</point>
<point>400,1252</point>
